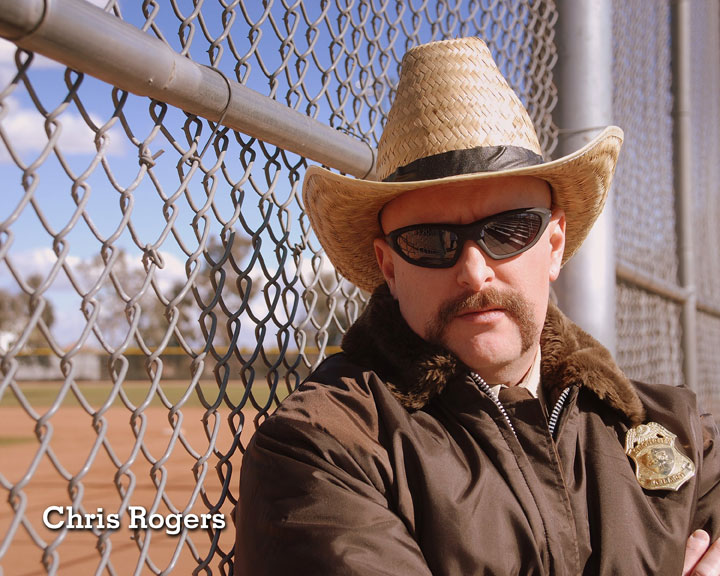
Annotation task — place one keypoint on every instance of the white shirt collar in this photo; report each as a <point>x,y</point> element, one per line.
<point>531,380</point>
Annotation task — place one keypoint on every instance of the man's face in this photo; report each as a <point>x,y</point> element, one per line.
<point>488,312</point>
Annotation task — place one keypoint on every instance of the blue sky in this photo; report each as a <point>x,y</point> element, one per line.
<point>82,231</point>
<point>31,232</point>
<point>102,184</point>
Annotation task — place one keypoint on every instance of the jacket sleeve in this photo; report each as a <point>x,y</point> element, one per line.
<point>707,515</point>
<point>308,506</point>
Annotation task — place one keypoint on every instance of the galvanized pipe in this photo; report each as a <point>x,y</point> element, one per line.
<point>707,307</point>
<point>644,281</point>
<point>638,278</point>
<point>586,287</point>
<point>85,38</point>
<point>682,134</point>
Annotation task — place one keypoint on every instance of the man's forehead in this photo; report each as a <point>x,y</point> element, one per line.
<point>466,200</point>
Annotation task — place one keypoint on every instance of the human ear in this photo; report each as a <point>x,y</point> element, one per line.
<point>557,242</point>
<point>383,255</point>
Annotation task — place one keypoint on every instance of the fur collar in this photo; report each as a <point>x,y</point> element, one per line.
<point>415,371</point>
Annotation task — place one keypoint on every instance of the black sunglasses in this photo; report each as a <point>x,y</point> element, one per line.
<point>499,236</point>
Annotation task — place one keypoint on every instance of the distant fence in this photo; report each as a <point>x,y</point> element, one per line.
<point>89,365</point>
<point>151,204</point>
<point>664,261</point>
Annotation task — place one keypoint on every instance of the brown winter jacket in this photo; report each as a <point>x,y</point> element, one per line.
<point>389,459</point>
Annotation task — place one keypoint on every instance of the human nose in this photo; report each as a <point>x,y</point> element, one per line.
<point>473,271</point>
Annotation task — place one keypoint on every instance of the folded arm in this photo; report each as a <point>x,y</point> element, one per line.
<point>702,554</point>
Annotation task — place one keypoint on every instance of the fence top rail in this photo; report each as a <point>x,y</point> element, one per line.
<point>90,40</point>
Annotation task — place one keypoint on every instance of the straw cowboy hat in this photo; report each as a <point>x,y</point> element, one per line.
<point>454,119</point>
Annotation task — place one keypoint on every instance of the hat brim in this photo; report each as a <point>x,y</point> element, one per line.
<point>343,210</point>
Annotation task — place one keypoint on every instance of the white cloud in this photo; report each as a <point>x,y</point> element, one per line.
<point>66,300</point>
<point>41,260</point>
<point>7,52</point>
<point>25,130</point>
<point>65,297</point>
<point>8,69</point>
<point>173,271</point>
<point>24,125</point>
<point>7,62</point>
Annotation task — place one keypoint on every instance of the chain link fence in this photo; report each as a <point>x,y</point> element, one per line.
<point>162,291</point>
<point>705,153</point>
<point>648,325</point>
<point>649,312</point>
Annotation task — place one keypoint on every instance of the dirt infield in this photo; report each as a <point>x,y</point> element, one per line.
<point>72,441</point>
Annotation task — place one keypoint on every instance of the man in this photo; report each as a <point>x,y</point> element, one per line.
<point>468,427</point>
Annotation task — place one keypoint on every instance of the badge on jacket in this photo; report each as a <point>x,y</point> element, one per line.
<point>659,465</point>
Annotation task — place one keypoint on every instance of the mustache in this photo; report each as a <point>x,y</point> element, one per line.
<point>511,302</point>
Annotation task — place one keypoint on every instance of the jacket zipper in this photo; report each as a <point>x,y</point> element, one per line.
<point>552,424</point>
<point>486,388</point>
<point>554,415</point>
<point>557,410</point>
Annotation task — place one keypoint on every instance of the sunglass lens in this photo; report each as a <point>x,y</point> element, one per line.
<point>509,234</point>
<point>429,246</point>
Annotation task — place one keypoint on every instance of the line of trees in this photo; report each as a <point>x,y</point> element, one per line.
<point>15,313</point>
<point>220,270</point>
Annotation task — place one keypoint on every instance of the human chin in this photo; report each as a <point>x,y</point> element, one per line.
<point>489,348</point>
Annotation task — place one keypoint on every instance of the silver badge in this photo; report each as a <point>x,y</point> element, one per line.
<point>659,465</point>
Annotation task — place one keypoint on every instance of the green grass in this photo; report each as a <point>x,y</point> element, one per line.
<point>15,440</point>
<point>44,394</point>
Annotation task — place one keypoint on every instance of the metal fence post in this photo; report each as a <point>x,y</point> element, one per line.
<point>682,133</point>
<point>586,287</point>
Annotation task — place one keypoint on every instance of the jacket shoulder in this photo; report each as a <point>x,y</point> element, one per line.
<point>659,398</point>
<point>340,403</point>
<point>337,383</point>
<point>677,409</point>
<point>316,479</point>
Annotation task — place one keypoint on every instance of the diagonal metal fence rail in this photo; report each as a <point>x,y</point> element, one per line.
<point>160,288</point>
